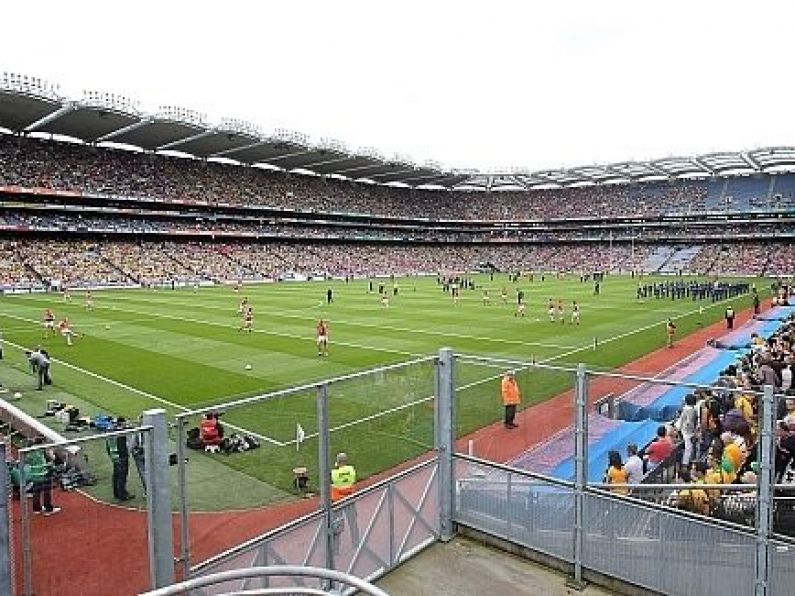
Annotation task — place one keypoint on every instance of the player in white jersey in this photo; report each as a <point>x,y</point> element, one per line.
<point>575,313</point>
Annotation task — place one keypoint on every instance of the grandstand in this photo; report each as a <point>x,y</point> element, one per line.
<point>93,197</point>
<point>617,217</point>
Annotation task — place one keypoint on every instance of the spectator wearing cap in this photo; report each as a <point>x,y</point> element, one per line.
<point>511,397</point>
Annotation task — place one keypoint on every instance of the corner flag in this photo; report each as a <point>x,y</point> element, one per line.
<point>299,436</point>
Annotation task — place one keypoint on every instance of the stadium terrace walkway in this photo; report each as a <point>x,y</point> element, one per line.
<point>465,566</point>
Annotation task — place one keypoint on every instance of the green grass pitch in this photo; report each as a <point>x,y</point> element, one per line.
<point>182,349</point>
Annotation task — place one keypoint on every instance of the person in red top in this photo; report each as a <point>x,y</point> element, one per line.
<point>660,448</point>
<point>65,329</point>
<point>321,331</point>
<point>210,430</point>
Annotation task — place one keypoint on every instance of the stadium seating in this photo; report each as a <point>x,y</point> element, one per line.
<point>44,164</point>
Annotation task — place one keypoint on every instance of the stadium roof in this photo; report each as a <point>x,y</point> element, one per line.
<point>29,104</point>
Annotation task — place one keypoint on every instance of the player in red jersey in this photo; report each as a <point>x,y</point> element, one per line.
<point>321,331</point>
<point>248,321</point>
<point>65,329</point>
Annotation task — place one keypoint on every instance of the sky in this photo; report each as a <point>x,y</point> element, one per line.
<point>490,85</point>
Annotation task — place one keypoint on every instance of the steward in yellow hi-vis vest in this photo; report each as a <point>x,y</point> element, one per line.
<point>343,477</point>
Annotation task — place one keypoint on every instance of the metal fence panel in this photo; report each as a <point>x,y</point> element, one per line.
<point>665,551</point>
<point>301,544</point>
<point>517,507</point>
<point>782,568</point>
<point>374,530</point>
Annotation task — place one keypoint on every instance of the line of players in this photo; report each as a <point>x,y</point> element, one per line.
<point>556,311</point>
<point>246,312</point>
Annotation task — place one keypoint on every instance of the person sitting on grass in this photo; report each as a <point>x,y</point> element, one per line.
<point>210,430</point>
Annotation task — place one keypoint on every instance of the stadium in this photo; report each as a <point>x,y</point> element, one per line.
<point>203,322</point>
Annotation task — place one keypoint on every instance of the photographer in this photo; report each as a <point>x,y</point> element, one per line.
<point>119,453</point>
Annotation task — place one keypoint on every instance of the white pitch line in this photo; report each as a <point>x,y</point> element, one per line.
<point>263,331</point>
<point>497,376</point>
<point>628,333</point>
<point>134,389</point>
<point>283,313</point>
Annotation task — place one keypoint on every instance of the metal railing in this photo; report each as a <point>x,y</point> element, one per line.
<point>373,531</point>
<point>253,573</point>
<point>593,528</point>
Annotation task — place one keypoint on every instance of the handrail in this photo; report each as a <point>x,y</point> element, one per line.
<point>70,442</point>
<point>271,571</point>
<point>505,468</point>
<point>619,375</point>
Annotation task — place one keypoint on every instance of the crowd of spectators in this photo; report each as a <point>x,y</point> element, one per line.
<point>712,440</point>
<point>79,262</point>
<point>727,423</point>
<point>74,263</point>
<point>13,271</point>
<point>746,258</point>
<point>122,222</point>
<point>38,163</point>
<point>70,263</point>
<point>781,260</point>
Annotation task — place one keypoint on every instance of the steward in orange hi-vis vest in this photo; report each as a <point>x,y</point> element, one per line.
<point>511,397</point>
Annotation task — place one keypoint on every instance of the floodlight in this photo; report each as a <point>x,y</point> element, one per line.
<point>291,136</point>
<point>242,127</point>
<point>332,145</point>
<point>18,83</point>
<point>184,115</point>
<point>370,152</point>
